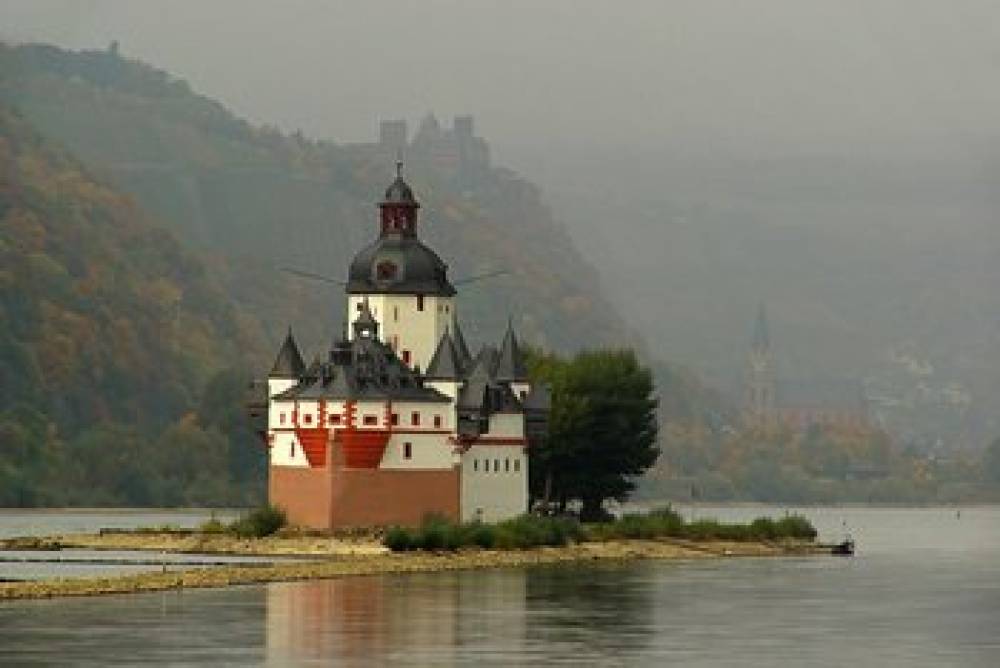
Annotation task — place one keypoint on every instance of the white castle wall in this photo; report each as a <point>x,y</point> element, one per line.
<point>494,482</point>
<point>405,328</point>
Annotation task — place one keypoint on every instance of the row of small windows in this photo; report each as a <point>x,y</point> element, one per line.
<point>395,309</point>
<point>507,464</point>
<point>368,420</point>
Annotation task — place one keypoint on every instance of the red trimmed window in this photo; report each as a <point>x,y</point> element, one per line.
<point>309,419</point>
<point>333,419</point>
<point>415,419</point>
<point>437,421</point>
<point>407,451</point>
<point>406,357</point>
<point>371,420</point>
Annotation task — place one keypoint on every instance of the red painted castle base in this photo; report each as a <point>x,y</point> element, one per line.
<point>334,496</point>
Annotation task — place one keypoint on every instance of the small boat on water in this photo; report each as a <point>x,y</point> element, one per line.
<point>843,548</point>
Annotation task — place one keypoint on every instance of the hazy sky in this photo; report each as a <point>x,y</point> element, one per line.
<point>759,76</point>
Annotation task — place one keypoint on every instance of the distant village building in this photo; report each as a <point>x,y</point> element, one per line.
<point>400,420</point>
<point>796,404</point>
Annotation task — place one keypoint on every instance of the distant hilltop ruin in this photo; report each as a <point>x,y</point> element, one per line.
<point>451,151</point>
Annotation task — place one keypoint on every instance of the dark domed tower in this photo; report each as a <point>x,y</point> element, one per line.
<point>403,281</point>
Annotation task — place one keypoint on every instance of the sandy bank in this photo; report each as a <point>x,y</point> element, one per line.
<point>373,564</point>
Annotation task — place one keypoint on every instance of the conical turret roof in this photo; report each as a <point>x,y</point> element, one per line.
<point>510,365</point>
<point>465,356</point>
<point>288,363</point>
<point>446,364</point>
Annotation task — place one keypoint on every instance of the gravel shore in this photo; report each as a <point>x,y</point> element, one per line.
<point>333,558</point>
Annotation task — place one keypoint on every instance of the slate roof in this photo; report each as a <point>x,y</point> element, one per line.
<point>510,362</point>
<point>288,363</point>
<point>417,269</point>
<point>446,364</point>
<point>462,347</point>
<point>363,369</point>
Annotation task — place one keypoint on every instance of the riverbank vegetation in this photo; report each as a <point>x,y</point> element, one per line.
<point>257,523</point>
<point>524,532</point>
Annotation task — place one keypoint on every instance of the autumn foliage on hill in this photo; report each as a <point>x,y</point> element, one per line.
<point>110,333</point>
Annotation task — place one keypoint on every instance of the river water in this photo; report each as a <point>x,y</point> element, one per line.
<point>924,590</point>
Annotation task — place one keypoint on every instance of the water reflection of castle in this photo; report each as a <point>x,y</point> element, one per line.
<point>360,620</point>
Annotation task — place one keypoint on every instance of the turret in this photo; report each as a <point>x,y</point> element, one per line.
<point>288,367</point>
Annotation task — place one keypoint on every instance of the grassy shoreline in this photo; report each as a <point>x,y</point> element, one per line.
<point>335,565</point>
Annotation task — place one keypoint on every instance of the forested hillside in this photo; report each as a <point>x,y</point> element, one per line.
<point>110,333</point>
<point>259,199</point>
<point>142,230</point>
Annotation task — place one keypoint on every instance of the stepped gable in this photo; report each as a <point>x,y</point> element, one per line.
<point>288,363</point>
<point>510,362</point>
<point>446,364</point>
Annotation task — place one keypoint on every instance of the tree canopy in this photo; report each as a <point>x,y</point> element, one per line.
<point>603,429</point>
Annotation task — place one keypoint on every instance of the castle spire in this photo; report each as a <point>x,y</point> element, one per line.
<point>761,338</point>
<point>288,363</point>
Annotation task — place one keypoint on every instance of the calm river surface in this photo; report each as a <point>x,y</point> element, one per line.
<point>923,591</point>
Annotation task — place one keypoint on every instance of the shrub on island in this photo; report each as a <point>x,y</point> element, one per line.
<point>257,523</point>
<point>527,531</point>
<point>437,533</point>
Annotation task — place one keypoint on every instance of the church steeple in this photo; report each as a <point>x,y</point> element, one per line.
<point>761,338</point>
<point>759,383</point>
<point>399,207</point>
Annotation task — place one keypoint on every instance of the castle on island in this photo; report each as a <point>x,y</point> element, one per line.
<point>400,420</point>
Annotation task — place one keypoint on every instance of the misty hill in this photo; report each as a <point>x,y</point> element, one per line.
<point>110,333</point>
<point>876,268</point>
<point>258,199</point>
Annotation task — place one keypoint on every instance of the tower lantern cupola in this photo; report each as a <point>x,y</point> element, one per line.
<point>399,207</point>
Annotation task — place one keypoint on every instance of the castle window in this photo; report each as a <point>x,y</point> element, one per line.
<point>437,421</point>
<point>420,302</point>
<point>309,419</point>
<point>281,418</point>
<point>407,450</point>
<point>517,465</point>
<point>496,466</point>
<point>395,314</point>
<point>333,419</point>
<point>406,357</point>
<point>475,464</point>
<point>447,308</point>
<point>360,306</point>
<point>506,465</point>
<point>291,449</point>
<point>415,419</point>
<point>486,465</point>
<point>524,393</point>
<point>371,420</point>
<point>394,419</point>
